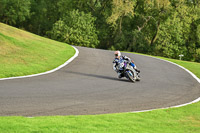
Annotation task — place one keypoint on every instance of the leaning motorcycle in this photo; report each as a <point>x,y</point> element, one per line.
<point>127,71</point>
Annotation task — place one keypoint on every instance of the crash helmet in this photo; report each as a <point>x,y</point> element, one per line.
<point>117,53</point>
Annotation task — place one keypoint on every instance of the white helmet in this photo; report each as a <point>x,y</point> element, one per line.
<point>117,53</point>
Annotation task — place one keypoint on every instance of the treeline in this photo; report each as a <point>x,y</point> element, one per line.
<point>158,27</point>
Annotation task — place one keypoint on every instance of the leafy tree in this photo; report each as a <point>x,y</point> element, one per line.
<point>76,28</point>
<point>171,42</point>
<point>120,9</point>
<point>119,13</point>
<point>158,11</point>
<point>43,15</point>
<point>14,12</point>
<point>101,10</point>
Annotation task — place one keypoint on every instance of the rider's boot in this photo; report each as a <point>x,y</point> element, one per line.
<point>119,75</point>
<point>137,70</point>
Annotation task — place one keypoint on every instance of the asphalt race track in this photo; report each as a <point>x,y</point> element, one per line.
<point>88,85</point>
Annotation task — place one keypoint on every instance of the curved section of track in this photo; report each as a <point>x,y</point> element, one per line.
<point>88,85</point>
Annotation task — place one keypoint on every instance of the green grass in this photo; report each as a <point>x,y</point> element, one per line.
<point>174,120</point>
<point>23,53</point>
<point>177,120</point>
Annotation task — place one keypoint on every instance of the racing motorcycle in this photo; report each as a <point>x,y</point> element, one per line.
<point>127,70</point>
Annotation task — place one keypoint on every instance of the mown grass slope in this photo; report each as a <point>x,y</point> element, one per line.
<point>23,53</point>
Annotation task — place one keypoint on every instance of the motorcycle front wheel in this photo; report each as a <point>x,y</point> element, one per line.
<point>130,76</point>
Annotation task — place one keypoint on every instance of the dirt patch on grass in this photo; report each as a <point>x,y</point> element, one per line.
<point>193,121</point>
<point>6,48</point>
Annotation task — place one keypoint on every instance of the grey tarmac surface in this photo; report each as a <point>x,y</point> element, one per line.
<point>88,85</point>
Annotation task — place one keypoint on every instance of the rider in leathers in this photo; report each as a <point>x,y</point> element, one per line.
<point>118,56</point>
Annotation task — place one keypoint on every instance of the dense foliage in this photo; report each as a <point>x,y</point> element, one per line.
<point>76,28</point>
<point>158,27</point>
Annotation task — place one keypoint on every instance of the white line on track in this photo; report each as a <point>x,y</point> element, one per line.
<point>193,75</point>
<point>61,66</point>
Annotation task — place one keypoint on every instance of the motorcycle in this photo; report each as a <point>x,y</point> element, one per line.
<point>127,71</point>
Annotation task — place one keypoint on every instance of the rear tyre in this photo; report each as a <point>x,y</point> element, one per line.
<point>138,79</point>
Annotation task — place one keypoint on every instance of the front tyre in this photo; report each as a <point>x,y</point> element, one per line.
<point>130,76</point>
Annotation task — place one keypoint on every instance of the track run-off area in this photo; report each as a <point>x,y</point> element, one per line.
<point>88,85</point>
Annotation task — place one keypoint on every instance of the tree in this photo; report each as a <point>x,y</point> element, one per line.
<point>14,12</point>
<point>171,41</point>
<point>120,9</point>
<point>158,11</point>
<point>76,28</point>
<point>44,13</point>
<point>119,13</point>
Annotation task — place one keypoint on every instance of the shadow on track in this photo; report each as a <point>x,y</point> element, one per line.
<point>98,76</point>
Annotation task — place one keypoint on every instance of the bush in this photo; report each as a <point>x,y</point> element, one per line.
<point>76,28</point>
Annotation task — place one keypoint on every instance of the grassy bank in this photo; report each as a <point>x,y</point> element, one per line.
<point>23,53</point>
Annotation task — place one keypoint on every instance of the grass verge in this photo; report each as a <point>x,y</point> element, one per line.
<point>23,53</point>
